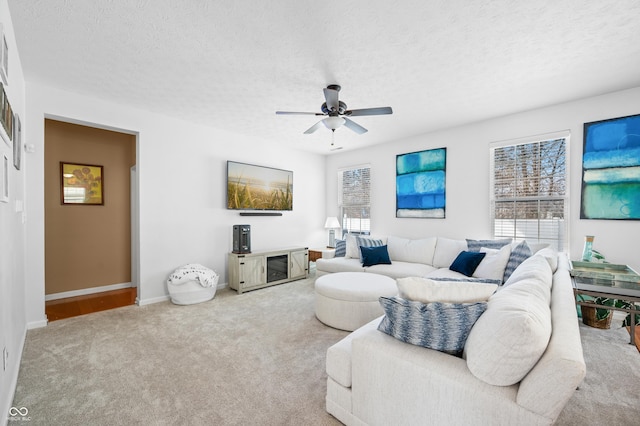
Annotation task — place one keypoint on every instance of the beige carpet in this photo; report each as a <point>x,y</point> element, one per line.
<point>255,358</point>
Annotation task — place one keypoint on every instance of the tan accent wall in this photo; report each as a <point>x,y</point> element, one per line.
<point>87,245</point>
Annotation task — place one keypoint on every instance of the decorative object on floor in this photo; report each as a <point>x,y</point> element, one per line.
<point>81,184</point>
<point>251,187</point>
<point>192,283</point>
<point>593,316</point>
<point>587,251</point>
<point>332,224</point>
<point>420,184</point>
<point>611,169</point>
<point>336,113</point>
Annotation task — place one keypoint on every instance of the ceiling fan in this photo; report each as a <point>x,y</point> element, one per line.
<point>337,114</point>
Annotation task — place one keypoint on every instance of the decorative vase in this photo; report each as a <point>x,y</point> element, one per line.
<point>587,252</point>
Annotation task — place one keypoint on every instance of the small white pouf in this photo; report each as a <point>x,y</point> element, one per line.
<point>348,300</point>
<point>191,284</point>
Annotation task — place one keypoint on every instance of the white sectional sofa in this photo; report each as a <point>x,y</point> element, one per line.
<point>521,364</point>
<point>426,257</point>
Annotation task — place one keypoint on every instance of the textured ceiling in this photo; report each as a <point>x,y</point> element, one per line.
<point>232,64</point>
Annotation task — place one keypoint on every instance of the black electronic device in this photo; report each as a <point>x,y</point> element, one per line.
<point>242,238</point>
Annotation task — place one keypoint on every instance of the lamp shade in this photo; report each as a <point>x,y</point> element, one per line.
<point>331,223</point>
<point>333,122</point>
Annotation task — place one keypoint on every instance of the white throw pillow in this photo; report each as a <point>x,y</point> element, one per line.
<point>427,291</point>
<point>415,251</point>
<point>535,267</point>
<point>551,255</point>
<point>511,335</point>
<point>446,251</point>
<point>353,251</point>
<point>493,264</point>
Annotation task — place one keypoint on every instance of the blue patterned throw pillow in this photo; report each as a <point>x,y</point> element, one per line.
<point>476,245</point>
<point>367,242</point>
<point>519,254</point>
<point>341,248</point>
<point>440,326</point>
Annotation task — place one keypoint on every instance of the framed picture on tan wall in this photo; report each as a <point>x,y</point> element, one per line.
<point>81,184</point>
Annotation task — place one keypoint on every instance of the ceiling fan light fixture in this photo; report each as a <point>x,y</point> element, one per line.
<point>333,122</point>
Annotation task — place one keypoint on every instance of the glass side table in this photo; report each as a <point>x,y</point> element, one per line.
<point>611,281</point>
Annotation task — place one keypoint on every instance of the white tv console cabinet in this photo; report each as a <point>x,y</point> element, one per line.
<point>251,271</point>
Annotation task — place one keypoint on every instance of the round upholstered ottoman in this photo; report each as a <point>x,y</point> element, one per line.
<point>349,300</point>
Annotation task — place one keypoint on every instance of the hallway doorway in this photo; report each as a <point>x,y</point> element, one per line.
<point>88,246</point>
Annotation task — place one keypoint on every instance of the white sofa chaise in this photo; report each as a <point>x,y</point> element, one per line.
<point>375,379</point>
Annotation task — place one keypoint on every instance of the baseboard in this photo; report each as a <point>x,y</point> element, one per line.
<point>85,291</point>
<point>37,324</point>
<point>142,302</point>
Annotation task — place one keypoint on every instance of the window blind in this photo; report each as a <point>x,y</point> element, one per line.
<point>354,192</point>
<point>529,191</point>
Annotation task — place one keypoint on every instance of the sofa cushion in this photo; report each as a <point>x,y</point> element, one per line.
<point>341,248</point>
<point>476,245</point>
<point>440,326</point>
<point>401,269</point>
<point>551,255</point>
<point>426,290</point>
<point>353,247</point>
<point>375,256</point>
<point>338,363</point>
<point>494,263</point>
<point>519,252</point>
<point>535,267</point>
<point>406,250</point>
<point>509,338</point>
<point>339,264</point>
<point>446,251</point>
<point>467,262</point>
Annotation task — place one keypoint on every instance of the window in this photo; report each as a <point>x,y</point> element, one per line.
<point>529,199</point>
<point>354,189</point>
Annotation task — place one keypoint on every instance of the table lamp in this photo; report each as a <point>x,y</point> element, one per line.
<point>331,224</point>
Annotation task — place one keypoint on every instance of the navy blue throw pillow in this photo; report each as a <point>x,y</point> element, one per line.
<point>375,256</point>
<point>467,262</point>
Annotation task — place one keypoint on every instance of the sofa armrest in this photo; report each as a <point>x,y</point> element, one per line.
<point>549,386</point>
<point>328,253</point>
<point>397,383</point>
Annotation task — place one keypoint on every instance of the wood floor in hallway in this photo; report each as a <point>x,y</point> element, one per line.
<point>82,305</point>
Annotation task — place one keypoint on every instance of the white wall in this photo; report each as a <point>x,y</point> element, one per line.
<point>181,169</point>
<point>12,236</point>
<point>467,209</point>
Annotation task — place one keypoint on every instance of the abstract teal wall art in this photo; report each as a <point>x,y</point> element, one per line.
<point>611,169</point>
<point>420,184</point>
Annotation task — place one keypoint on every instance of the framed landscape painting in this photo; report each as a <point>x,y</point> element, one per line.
<point>611,169</point>
<point>421,184</point>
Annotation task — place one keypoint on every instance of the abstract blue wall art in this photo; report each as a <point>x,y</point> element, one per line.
<point>420,184</point>
<point>611,169</point>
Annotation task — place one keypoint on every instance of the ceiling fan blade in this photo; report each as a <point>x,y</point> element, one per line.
<point>331,96</point>
<point>314,127</point>
<point>297,113</point>
<point>354,126</point>
<point>369,111</point>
